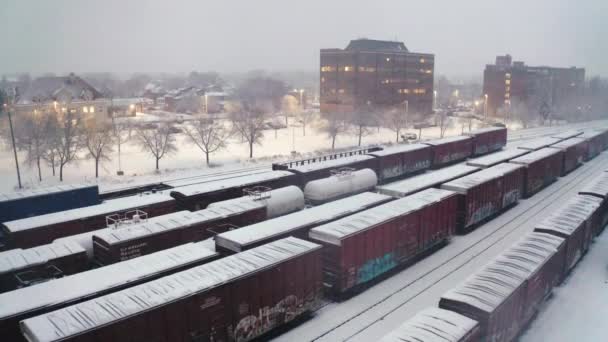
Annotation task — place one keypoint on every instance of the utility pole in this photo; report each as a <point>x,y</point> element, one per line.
<point>10,122</point>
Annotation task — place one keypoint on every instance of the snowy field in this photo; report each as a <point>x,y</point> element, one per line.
<point>383,307</point>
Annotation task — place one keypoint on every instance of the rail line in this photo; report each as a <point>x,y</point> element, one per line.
<point>541,203</point>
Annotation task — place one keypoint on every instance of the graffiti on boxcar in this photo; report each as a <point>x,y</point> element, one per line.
<point>419,165</point>
<point>267,318</point>
<point>375,267</point>
<point>510,197</point>
<point>482,213</point>
<point>132,251</point>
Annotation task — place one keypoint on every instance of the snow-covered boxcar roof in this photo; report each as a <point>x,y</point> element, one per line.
<point>397,149</point>
<point>535,156</point>
<point>330,163</point>
<point>16,259</point>
<point>597,187</point>
<point>590,134</point>
<point>485,130</point>
<point>10,196</point>
<point>66,322</point>
<point>564,144</point>
<point>433,325</point>
<point>426,180</point>
<point>236,239</point>
<point>105,208</point>
<point>82,285</point>
<point>567,134</point>
<point>538,143</point>
<point>496,157</point>
<point>443,141</point>
<point>463,184</point>
<point>212,178</point>
<point>228,183</point>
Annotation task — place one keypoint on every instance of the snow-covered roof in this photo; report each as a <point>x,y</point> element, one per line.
<point>401,148</point>
<point>179,220</point>
<point>340,185</point>
<point>433,325</point>
<point>590,134</point>
<point>278,202</point>
<point>429,179</point>
<point>437,142</point>
<point>485,175</point>
<point>335,232</point>
<point>567,134</point>
<point>543,239</point>
<point>10,196</point>
<point>570,216</point>
<point>331,163</point>
<point>484,130</point>
<point>496,157</point>
<point>104,208</point>
<point>16,259</point>
<point>537,144</point>
<point>209,178</point>
<point>564,144</point>
<point>535,156</point>
<point>67,322</point>
<point>597,187</point>
<point>207,187</point>
<point>236,239</point>
<point>82,285</point>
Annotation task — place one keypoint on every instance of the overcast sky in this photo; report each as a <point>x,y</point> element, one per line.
<point>228,35</point>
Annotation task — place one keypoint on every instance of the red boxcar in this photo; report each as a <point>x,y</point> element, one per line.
<point>362,247</point>
<point>53,295</point>
<point>495,297</point>
<point>542,168</point>
<point>574,151</point>
<point>538,143</point>
<point>171,230</point>
<point>450,150</point>
<point>43,229</point>
<point>24,267</point>
<point>402,160</point>
<point>567,134</point>
<point>488,140</point>
<point>558,260</point>
<point>237,298</point>
<point>485,193</point>
<point>595,144</point>
<point>199,196</point>
<point>598,188</point>
<point>434,323</point>
<point>297,224</point>
<point>604,138</point>
<point>496,158</point>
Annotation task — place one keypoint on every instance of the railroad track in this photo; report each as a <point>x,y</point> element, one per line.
<point>359,323</point>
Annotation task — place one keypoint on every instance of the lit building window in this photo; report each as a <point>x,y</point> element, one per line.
<point>85,109</point>
<point>322,79</point>
<point>422,60</point>
<point>429,71</point>
<point>348,68</point>
<point>92,109</point>
<point>388,59</point>
<point>327,68</point>
<point>404,91</point>
<point>341,91</point>
<point>507,95</point>
<point>508,81</point>
<point>507,75</point>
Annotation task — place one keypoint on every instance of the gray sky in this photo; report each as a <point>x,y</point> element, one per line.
<point>229,35</point>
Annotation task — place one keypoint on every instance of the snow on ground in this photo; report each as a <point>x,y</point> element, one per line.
<point>578,309</point>
<point>383,307</point>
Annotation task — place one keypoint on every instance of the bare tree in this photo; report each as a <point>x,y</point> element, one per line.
<point>249,124</point>
<point>121,131</point>
<point>305,117</point>
<point>98,139</point>
<point>65,138</point>
<point>361,122</point>
<point>444,122</point>
<point>158,142</point>
<point>396,121</point>
<point>208,135</point>
<point>32,135</point>
<point>335,125</point>
<point>289,107</point>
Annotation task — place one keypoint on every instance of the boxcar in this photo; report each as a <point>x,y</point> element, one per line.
<point>43,229</point>
<point>574,151</point>
<point>595,144</point>
<point>598,188</point>
<point>363,247</point>
<point>340,185</point>
<point>495,297</point>
<point>237,298</point>
<point>450,150</point>
<point>172,230</point>
<point>496,158</point>
<point>485,193</point>
<point>486,140</point>
<point>59,293</point>
<point>25,267</point>
<point>425,181</point>
<point>542,168</point>
<point>538,143</point>
<point>297,224</point>
<point>604,137</point>
<point>27,203</point>
<point>552,242</point>
<point>199,196</point>
<point>402,160</point>
<point>434,324</point>
<point>567,134</point>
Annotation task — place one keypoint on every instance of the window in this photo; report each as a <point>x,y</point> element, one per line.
<point>348,68</point>
<point>422,60</point>
<point>386,81</point>
<point>507,75</point>
<point>429,71</point>
<point>419,91</point>
<point>367,69</point>
<point>341,91</point>
<point>322,79</point>
<point>327,68</point>
<point>92,109</point>
<point>507,81</point>
<point>404,91</point>
<point>85,109</point>
<point>388,59</point>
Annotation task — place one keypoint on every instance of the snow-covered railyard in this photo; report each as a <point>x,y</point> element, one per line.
<point>578,309</point>
<point>383,307</point>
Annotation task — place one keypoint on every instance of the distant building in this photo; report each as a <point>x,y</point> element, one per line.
<point>375,73</point>
<point>507,82</point>
<point>62,94</point>
<point>188,100</point>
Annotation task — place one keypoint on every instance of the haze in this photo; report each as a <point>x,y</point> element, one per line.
<point>227,35</point>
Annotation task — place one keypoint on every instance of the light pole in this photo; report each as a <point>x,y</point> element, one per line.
<point>485,107</point>
<point>434,99</point>
<point>10,122</point>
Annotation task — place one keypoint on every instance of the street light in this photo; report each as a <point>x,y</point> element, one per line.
<point>10,122</point>
<point>485,107</point>
<point>435,99</point>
